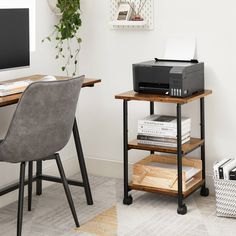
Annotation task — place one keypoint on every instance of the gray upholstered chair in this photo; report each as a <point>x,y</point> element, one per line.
<point>41,126</point>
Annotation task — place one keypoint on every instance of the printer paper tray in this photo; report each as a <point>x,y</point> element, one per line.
<point>153,90</point>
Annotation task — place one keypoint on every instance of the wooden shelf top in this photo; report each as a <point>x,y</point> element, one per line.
<point>196,185</point>
<point>186,148</point>
<point>131,95</point>
<point>13,99</point>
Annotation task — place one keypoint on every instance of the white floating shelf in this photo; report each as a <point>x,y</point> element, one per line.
<point>128,23</point>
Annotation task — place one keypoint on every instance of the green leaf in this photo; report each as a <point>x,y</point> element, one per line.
<point>67,28</point>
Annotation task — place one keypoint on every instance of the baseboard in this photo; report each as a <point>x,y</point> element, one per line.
<point>107,168</point>
<point>49,168</point>
<point>114,169</point>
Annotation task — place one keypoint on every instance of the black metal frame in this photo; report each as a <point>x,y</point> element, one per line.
<point>21,191</point>
<point>21,199</point>
<point>182,208</point>
<point>39,175</point>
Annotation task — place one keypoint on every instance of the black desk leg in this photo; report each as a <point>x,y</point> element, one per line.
<point>39,181</point>
<point>182,209</point>
<point>204,191</point>
<point>127,198</point>
<point>82,163</point>
<point>152,113</point>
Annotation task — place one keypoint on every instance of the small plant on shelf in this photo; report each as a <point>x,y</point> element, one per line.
<point>65,32</point>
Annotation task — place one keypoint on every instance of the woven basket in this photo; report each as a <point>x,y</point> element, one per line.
<point>225,197</point>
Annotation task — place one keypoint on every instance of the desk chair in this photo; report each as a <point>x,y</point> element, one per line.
<point>41,126</point>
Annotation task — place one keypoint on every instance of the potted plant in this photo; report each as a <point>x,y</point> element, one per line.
<point>66,32</point>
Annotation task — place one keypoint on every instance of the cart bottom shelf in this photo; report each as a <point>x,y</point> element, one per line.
<point>196,184</point>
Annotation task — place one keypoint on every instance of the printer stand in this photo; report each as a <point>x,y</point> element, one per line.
<point>180,151</point>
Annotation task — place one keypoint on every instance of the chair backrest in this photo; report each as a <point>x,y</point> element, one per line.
<point>43,121</point>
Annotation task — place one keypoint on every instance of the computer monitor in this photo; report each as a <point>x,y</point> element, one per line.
<point>14,38</point>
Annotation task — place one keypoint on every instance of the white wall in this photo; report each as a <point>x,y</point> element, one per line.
<point>108,55</point>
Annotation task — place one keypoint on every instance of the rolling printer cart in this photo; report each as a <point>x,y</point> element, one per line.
<point>180,151</point>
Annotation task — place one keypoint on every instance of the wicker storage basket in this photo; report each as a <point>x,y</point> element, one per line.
<point>225,197</point>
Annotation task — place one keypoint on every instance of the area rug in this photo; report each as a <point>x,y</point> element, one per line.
<point>104,224</point>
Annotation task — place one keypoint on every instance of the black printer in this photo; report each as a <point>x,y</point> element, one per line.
<point>170,77</point>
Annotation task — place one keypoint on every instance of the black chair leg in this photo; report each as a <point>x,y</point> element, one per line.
<point>67,190</point>
<point>39,181</point>
<point>21,199</point>
<point>30,180</point>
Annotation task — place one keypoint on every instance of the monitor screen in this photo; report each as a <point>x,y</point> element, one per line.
<point>14,38</point>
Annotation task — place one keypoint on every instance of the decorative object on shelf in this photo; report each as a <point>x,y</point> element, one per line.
<point>65,31</point>
<point>141,16</point>
<point>124,11</point>
<point>137,7</point>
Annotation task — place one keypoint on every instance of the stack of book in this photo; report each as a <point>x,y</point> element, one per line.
<point>161,130</point>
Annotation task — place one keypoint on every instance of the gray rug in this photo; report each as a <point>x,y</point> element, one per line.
<point>150,214</point>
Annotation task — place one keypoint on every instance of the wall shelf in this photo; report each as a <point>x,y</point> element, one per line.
<point>128,23</point>
<point>146,13</point>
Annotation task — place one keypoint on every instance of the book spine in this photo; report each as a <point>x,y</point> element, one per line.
<point>160,139</point>
<point>221,169</point>
<point>165,124</point>
<point>162,128</point>
<point>232,175</point>
<point>221,174</point>
<point>163,144</point>
<point>158,133</point>
<point>216,172</point>
<point>228,167</point>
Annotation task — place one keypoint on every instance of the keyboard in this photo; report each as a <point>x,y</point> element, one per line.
<point>7,89</point>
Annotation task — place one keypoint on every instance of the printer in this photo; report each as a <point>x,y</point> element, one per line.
<point>170,77</point>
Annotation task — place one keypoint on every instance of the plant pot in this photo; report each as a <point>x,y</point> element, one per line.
<point>53,6</point>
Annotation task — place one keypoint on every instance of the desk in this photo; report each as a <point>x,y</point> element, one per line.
<point>13,99</point>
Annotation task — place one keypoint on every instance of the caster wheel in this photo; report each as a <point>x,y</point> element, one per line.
<point>204,192</point>
<point>128,200</point>
<point>182,210</point>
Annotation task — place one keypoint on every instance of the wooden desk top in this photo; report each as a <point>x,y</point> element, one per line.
<point>131,95</point>
<point>13,99</point>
